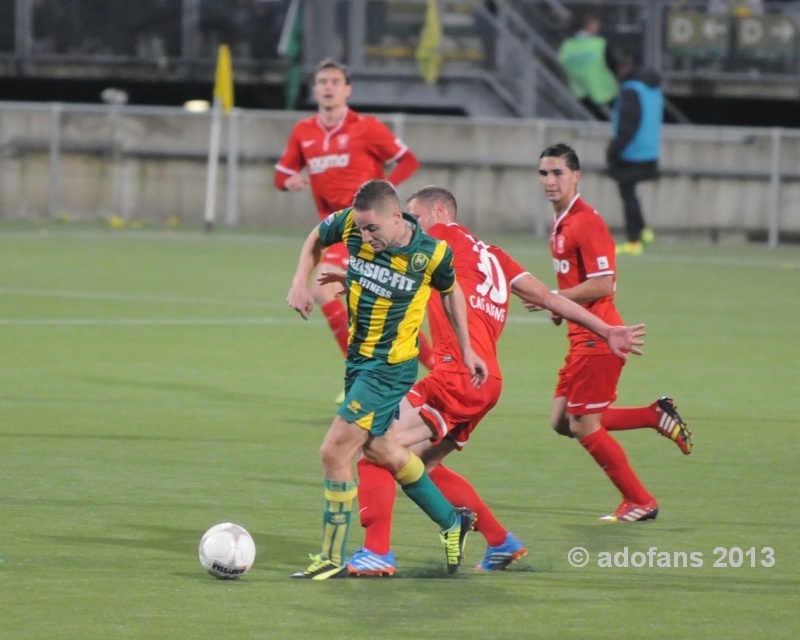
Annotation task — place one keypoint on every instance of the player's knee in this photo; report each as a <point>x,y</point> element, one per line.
<point>329,454</point>
<point>562,427</point>
<point>575,430</point>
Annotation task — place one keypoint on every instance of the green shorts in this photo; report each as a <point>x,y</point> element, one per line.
<point>373,391</point>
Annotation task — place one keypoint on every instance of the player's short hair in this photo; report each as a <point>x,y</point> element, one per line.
<point>332,63</point>
<point>432,195</point>
<point>376,195</point>
<point>563,150</point>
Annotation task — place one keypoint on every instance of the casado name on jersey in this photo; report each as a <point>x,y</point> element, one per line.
<point>379,274</point>
<point>321,164</point>
<point>482,304</point>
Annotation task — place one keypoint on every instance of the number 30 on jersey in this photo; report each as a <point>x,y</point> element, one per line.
<point>495,283</point>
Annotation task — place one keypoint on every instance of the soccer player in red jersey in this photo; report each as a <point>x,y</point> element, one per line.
<point>584,260</point>
<point>341,150</point>
<point>439,413</point>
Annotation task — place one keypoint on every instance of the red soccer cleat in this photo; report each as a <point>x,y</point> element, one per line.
<point>671,425</point>
<point>632,512</point>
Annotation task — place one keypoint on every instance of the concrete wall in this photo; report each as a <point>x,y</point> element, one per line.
<point>150,164</point>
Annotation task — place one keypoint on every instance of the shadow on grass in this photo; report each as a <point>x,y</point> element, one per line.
<point>517,508</point>
<point>185,542</point>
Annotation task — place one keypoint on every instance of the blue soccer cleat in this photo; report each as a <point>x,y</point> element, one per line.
<point>498,558</point>
<point>368,563</point>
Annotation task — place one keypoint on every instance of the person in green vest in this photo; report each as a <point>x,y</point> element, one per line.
<point>586,59</point>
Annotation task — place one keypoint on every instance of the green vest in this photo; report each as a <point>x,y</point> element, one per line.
<point>584,59</point>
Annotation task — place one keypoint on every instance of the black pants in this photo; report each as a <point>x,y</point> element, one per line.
<point>634,222</point>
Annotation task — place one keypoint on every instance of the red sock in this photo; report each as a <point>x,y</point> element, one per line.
<point>376,493</point>
<point>623,418</point>
<point>336,315</point>
<point>461,493</point>
<point>426,356</point>
<point>612,459</point>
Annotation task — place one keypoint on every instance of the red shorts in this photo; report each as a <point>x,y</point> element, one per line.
<point>337,254</point>
<point>589,382</point>
<point>452,404</point>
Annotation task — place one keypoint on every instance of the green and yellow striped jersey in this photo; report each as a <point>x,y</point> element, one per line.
<point>387,292</point>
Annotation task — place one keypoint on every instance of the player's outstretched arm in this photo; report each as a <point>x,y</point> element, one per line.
<point>621,340</point>
<point>455,306</point>
<point>300,298</point>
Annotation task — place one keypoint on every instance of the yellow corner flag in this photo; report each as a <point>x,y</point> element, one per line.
<point>428,56</point>
<point>223,86</point>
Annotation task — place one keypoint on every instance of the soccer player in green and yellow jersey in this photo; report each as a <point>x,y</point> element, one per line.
<point>393,267</point>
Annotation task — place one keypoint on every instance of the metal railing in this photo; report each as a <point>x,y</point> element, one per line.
<point>165,39</point>
<point>178,39</point>
<point>41,143</point>
<point>494,46</point>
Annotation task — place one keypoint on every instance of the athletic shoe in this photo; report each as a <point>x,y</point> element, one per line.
<point>632,512</point>
<point>630,248</point>
<point>672,425</point>
<point>321,568</point>
<point>454,539</point>
<point>368,563</point>
<point>647,236</point>
<point>340,398</point>
<point>498,558</point>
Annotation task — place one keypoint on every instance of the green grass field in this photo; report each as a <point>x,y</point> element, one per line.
<point>154,383</point>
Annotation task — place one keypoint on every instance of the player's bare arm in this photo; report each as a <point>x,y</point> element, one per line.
<point>300,298</point>
<point>455,306</point>
<point>621,340</point>
<point>590,290</point>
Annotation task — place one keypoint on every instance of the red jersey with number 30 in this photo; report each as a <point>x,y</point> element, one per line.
<point>485,274</point>
<point>341,159</point>
<point>583,248</point>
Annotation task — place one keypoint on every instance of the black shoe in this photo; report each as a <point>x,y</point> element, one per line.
<point>321,569</point>
<point>454,539</point>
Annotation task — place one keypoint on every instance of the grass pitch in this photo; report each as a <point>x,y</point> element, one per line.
<point>154,383</point>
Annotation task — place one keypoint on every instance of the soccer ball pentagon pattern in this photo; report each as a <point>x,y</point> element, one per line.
<point>227,551</point>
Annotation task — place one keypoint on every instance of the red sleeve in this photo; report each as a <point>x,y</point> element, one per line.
<point>511,268</point>
<point>406,166</point>
<point>597,248</point>
<point>290,163</point>
<point>383,144</point>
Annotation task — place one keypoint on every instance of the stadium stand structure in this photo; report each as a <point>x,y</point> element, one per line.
<point>495,62</point>
<point>499,55</point>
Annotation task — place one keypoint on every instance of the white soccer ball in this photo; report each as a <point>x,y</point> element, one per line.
<point>227,551</point>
